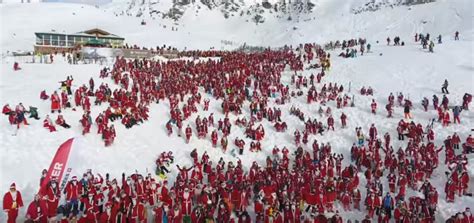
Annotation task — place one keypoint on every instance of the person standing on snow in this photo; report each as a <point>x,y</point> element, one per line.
<point>444,87</point>
<point>373,106</point>
<point>456,112</point>
<point>431,46</point>
<point>425,102</point>
<point>12,201</point>
<point>406,110</point>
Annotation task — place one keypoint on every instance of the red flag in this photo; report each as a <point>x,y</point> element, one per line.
<point>58,165</point>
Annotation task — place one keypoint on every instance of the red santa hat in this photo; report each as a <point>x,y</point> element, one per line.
<point>13,185</point>
<point>108,204</point>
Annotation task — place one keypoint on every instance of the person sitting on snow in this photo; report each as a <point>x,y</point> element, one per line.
<point>43,95</point>
<point>16,66</point>
<point>33,112</point>
<point>60,121</point>
<point>6,109</point>
<point>47,123</point>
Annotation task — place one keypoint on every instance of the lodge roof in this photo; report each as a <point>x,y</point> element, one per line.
<point>96,32</point>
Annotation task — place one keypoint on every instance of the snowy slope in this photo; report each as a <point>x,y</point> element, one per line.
<point>407,69</point>
<point>208,28</point>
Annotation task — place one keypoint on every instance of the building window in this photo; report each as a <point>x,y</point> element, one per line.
<point>70,41</point>
<point>47,39</point>
<point>39,40</point>
<point>62,40</point>
<point>54,40</point>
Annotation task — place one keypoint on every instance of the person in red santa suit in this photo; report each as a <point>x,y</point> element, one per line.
<point>43,95</point>
<point>175,215</point>
<point>287,214</point>
<point>7,110</point>
<point>346,201</point>
<point>51,195</point>
<point>277,216</point>
<point>336,218</point>
<point>243,201</point>
<point>138,211</point>
<point>330,196</point>
<point>330,123</point>
<point>223,213</point>
<point>450,190</point>
<point>55,102</point>
<point>373,106</point>
<point>224,143</point>
<point>392,179</point>
<point>186,202</point>
<point>85,122</point>
<point>206,104</point>
<point>446,119</point>
<point>109,135</point>
<point>91,209</point>
<point>343,120</point>
<point>259,133</point>
<point>64,99</point>
<point>159,212</point>
<point>455,140</point>
<point>214,138</point>
<point>73,191</point>
<point>48,124</point>
<point>468,216</point>
<point>367,219</point>
<point>258,208</point>
<point>12,202</point>
<point>61,122</point>
<point>105,216</point>
<point>37,210</point>
<point>463,183</point>
<point>370,204</point>
<point>86,104</point>
<point>189,133</point>
<point>245,218</point>
<point>372,132</point>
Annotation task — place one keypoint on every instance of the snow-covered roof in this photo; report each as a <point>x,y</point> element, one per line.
<point>96,32</point>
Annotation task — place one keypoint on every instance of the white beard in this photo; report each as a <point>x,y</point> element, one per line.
<point>13,194</point>
<point>186,195</point>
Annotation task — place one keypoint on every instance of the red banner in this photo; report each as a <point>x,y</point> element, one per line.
<point>58,165</point>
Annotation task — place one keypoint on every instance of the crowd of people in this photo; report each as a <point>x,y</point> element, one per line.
<point>299,184</point>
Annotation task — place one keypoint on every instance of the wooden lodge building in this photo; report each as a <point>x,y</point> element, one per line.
<point>50,42</point>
